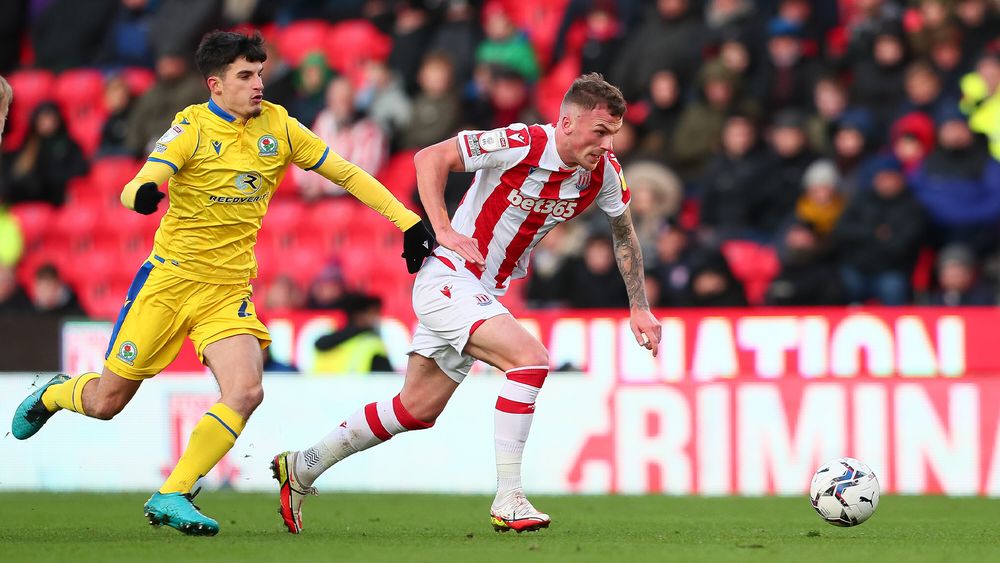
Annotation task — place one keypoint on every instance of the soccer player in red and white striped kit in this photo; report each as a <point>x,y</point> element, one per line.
<point>528,180</point>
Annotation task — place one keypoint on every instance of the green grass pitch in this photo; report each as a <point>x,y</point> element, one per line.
<point>403,528</point>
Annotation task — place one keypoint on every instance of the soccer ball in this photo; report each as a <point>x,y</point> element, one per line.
<point>844,492</point>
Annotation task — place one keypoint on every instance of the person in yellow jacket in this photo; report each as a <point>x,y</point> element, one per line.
<point>224,159</point>
<point>981,98</point>
<point>357,347</point>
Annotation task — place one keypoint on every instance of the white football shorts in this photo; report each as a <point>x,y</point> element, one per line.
<point>450,303</point>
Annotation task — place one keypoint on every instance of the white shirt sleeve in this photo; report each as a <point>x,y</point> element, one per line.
<point>497,148</point>
<point>614,196</point>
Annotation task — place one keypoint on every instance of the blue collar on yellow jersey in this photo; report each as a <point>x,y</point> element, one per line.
<point>219,111</point>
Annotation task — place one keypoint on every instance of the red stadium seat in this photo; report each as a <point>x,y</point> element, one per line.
<point>73,227</point>
<point>102,299</point>
<point>553,85</point>
<point>399,175</point>
<point>35,218</point>
<point>86,130</point>
<point>328,222</point>
<point>351,44</point>
<point>79,92</point>
<point>298,39</point>
<point>139,79</point>
<point>109,175</point>
<point>752,264</point>
<point>31,261</point>
<point>301,263</point>
<point>31,87</point>
<point>79,191</point>
<point>282,224</point>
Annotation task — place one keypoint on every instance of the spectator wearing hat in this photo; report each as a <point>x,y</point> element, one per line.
<point>729,190</point>
<point>912,139</point>
<point>788,74</point>
<point>959,186</point>
<point>40,170</point>
<point>852,142</point>
<point>656,196</point>
<point>957,281</point>
<point>808,275</point>
<point>775,198</point>
<point>878,237</point>
<point>821,203</point>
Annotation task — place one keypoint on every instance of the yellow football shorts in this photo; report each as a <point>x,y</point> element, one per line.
<point>161,309</point>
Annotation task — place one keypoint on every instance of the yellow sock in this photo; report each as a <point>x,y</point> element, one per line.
<point>68,395</point>
<point>211,438</point>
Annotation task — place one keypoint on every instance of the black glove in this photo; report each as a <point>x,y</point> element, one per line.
<point>147,198</point>
<point>417,245</point>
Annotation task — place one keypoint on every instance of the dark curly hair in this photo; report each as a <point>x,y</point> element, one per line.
<point>219,49</point>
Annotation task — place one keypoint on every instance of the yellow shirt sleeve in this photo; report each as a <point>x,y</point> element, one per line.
<point>173,149</point>
<point>309,152</point>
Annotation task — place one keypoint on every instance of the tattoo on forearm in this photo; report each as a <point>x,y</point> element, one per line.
<point>629,257</point>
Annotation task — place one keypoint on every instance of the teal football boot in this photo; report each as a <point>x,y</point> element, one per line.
<point>179,512</point>
<point>31,414</point>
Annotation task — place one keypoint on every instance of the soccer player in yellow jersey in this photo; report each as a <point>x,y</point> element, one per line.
<point>223,159</point>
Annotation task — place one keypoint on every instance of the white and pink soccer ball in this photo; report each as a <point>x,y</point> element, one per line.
<point>844,492</point>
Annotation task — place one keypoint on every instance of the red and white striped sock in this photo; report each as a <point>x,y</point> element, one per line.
<point>367,427</point>
<point>512,421</point>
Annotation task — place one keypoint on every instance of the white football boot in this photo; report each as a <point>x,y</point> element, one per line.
<point>512,511</point>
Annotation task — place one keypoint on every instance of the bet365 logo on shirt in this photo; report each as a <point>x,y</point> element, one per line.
<point>556,207</point>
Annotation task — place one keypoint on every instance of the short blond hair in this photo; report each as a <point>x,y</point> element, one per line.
<point>6,95</point>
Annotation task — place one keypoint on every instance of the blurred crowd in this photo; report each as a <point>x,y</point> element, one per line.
<point>779,152</point>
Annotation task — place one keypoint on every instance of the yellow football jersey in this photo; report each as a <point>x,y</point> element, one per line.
<point>224,174</point>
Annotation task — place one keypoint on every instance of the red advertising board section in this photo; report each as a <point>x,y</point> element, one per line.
<point>702,345</point>
<point>750,401</point>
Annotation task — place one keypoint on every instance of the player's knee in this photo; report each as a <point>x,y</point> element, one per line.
<point>246,399</point>
<point>535,356</point>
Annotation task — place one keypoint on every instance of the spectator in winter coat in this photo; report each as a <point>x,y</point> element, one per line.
<point>959,186</point>
<point>731,182</point>
<point>808,276</point>
<point>775,198</point>
<point>852,141</point>
<point>878,238</point>
<point>42,167</point>
<point>821,203</point>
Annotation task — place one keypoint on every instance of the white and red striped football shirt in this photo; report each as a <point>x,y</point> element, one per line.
<point>522,189</point>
